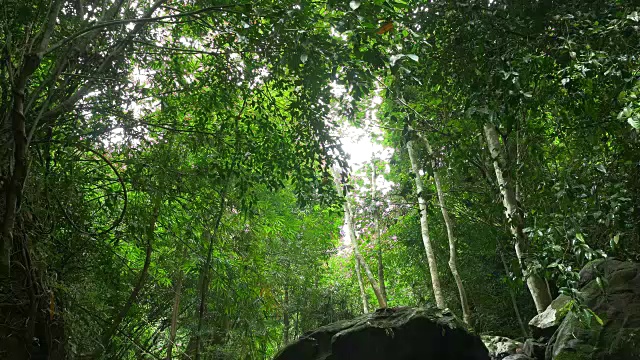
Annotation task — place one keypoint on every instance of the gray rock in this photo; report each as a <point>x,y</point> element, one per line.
<point>518,357</point>
<point>500,347</point>
<point>396,333</point>
<point>548,321</point>
<point>617,304</point>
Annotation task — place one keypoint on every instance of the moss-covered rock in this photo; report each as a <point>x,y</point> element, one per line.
<point>611,289</point>
<point>500,347</point>
<point>397,333</point>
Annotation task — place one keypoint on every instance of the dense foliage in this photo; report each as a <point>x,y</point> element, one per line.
<point>167,167</point>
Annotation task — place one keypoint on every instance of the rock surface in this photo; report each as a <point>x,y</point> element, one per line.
<point>389,334</point>
<point>500,347</point>
<point>518,357</point>
<point>610,288</point>
<point>548,321</point>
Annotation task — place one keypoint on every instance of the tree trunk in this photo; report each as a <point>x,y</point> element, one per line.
<point>285,316</point>
<point>453,264</point>
<point>424,225</point>
<point>176,307</point>
<point>378,233</point>
<point>537,285</point>
<point>363,293</point>
<point>106,338</point>
<point>348,216</point>
<point>523,328</point>
<point>204,289</point>
<point>17,178</point>
<point>204,286</point>
<point>382,303</point>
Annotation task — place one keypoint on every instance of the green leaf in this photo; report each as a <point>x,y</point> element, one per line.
<point>598,319</point>
<point>354,4</point>
<point>413,57</point>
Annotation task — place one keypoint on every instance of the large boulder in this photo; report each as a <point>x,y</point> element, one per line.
<point>611,289</point>
<point>390,334</point>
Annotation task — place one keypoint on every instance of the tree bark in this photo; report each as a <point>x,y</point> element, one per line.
<point>424,225</point>
<point>537,285</point>
<point>453,264</point>
<point>176,308</point>
<point>378,233</point>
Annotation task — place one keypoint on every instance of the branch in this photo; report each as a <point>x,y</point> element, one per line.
<point>188,51</point>
<point>83,91</point>
<point>147,19</point>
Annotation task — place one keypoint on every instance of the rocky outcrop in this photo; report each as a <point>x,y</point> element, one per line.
<point>611,289</point>
<point>396,333</point>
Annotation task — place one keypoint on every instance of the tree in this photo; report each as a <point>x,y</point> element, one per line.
<point>537,285</point>
<point>453,266</point>
<point>377,230</point>
<point>424,226</point>
<point>382,303</point>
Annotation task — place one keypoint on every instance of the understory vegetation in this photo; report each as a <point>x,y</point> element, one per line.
<point>175,182</point>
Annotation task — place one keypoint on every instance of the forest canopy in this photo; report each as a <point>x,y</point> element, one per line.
<point>174,181</point>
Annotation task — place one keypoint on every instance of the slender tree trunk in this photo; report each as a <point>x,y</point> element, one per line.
<point>363,293</point>
<point>453,264</point>
<point>361,286</point>
<point>176,308</point>
<point>204,287</point>
<point>382,303</point>
<point>424,225</point>
<point>285,316</point>
<point>378,233</point>
<point>106,338</point>
<point>537,285</point>
<point>523,328</point>
<point>348,216</point>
